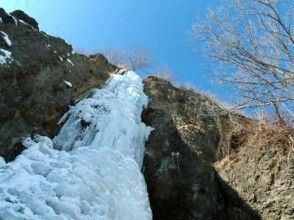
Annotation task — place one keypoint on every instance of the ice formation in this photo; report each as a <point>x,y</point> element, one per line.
<point>5,56</point>
<point>5,38</point>
<point>91,169</point>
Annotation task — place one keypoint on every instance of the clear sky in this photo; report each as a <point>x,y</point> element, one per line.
<point>159,25</point>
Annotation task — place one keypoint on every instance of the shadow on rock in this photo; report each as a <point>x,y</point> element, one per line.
<point>181,181</point>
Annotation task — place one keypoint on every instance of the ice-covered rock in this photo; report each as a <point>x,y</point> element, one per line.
<point>95,172</point>
<point>5,38</point>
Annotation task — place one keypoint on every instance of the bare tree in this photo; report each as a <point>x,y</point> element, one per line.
<point>253,43</point>
<point>134,59</point>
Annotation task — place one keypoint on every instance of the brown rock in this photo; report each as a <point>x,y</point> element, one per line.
<point>189,130</point>
<point>262,171</point>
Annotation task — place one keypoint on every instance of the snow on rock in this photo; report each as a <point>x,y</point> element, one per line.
<point>69,84</point>
<point>25,23</point>
<point>60,58</point>
<point>14,19</point>
<point>5,38</point>
<point>5,57</point>
<point>96,174</point>
<point>68,60</point>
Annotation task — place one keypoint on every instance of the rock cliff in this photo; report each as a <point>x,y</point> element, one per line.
<point>205,162</point>
<point>40,76</point>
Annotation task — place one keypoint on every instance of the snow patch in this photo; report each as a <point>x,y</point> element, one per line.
<point>5,38</point>
<point>48,46</point>
<point>97,174</point>
<point>0,20</point>
<point>60,58</point>
<point>67,83</point>
<point>68,60</point>
<point>22,22</point>
<point>14,19</point>
<point>5,57</point>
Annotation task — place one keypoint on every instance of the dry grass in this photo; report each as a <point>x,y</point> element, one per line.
<point>263,134</point>
<point>273,134</point>
<point>243,132</point>
<point>165,74</point>
<point>253,135</point>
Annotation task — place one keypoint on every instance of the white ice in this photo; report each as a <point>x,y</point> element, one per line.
<point>69,84</point>
<point>23,22</point>
<point>5,56</point>
<point>68,60</point>
<point>91,169</point>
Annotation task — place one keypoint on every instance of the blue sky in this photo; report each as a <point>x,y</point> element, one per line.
<point>159,25</point>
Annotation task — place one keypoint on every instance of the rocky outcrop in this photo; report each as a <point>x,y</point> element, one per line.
<point>25,19</point>
<point>40,76</point>
<point>262,170</point>
<point>186,166</point>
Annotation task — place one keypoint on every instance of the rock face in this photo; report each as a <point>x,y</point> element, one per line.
<point>192,136</point>
<point>39,77</point>
<point>262,171</point>
<point>180,182</point>
<point>24,18</point>
<point>202,161</point>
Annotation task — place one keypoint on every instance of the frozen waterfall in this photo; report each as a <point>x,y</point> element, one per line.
<point>91,169</point>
